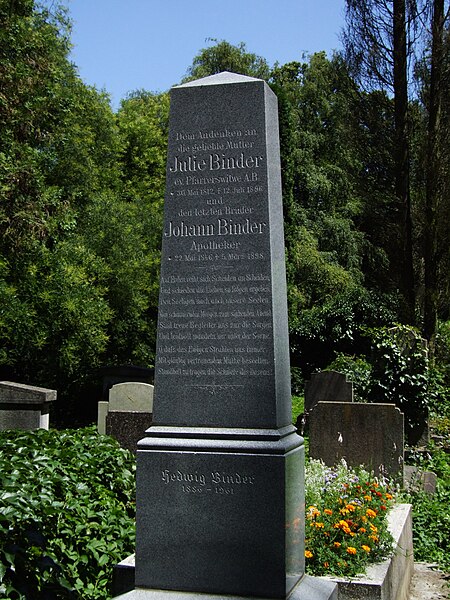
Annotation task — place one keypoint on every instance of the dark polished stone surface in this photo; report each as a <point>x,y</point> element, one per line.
<point>220,492</point>
<point>222,354</point>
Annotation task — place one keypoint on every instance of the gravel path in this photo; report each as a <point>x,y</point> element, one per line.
<point>428,583</point>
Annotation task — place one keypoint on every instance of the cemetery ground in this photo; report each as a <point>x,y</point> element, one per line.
<point>67,514</point>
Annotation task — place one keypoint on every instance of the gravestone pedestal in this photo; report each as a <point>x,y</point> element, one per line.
<point>220,490</point>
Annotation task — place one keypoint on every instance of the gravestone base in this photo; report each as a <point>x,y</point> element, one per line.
<point>309,588</point>
<point>226,513</point>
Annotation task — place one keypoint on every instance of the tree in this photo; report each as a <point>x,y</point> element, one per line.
<point>223,56</point>
<point>378,41</point>
<point>324,203</point>
<point>436,166</point>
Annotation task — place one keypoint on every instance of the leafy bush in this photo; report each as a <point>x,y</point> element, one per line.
<point>66,513</point>
<point>395,370</point>
<point>431,516</point>
<point>346,524</point>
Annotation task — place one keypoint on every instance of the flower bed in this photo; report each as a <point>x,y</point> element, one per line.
<point>346,520</point>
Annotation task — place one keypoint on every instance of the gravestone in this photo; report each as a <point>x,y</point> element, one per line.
<point>220,490</point>
<point>123,374</point>
<point>129,412</point>
<point>329,386</point>
<point>24,406</point>
<point>363,434</point>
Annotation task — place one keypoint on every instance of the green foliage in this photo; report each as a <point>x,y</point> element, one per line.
<point>358,371</point>
<point>298,406</point>
<point>346,524</point>
<point>394,369</point>
<point>66,513</point>
<point>223,56</point>
<point>431,518</point>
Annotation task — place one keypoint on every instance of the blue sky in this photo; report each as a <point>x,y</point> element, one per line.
<point>124,45</point>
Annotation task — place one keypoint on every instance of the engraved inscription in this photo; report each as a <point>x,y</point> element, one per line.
<point>215,482</point>
<point>215,317</point>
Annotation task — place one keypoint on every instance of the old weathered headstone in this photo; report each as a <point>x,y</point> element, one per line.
<point>328,386</point>
<point>363,434</point>
<point>128,413</point>
<point>24,406</point>
<point>220,492</point>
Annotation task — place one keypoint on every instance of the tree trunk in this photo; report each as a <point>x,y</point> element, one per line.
<point>432,174</point>
<point>402,159</point>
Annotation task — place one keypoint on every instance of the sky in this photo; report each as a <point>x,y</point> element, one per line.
<point>124,45</point>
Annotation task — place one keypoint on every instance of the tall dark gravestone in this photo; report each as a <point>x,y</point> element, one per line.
<point>220,490</point>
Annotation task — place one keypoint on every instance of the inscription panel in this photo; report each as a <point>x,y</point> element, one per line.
<point>215,326</point>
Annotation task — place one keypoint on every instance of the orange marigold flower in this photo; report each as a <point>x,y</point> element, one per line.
<point>362,530</point>
<point>351,550</point>
<point>350,507</point>
<point>344,511</point>
<point>337,544</point>
<point>308,554</point>
<point>383,507</point>
<point>366,548</point>
<point>373,528</point>
<point>389,496</point>
<point>374,538</point>
<point>313,512</point>
<point>326,565</point>
<point>328,511</point>
<point>319,525</point>
<point>371,513</point>
<point>368,498</point>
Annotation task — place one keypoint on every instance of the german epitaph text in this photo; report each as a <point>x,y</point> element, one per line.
<point>220,505</point>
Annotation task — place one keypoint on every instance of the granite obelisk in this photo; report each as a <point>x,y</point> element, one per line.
<point>220,490</point>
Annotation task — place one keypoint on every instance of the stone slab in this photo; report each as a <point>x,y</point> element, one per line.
<point>417,480</point>
<point>236,520</point>
<point>309,588</point>
<point>12,417</point>
<point>128,427</point>
<point>131,396</point>
<point>24,406</point>
<point>102,411</point>
<point>330,386</point>
<point>19,393</point>
<point>362,434</point>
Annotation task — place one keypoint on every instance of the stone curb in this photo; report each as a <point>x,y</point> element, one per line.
<point>390,579</point>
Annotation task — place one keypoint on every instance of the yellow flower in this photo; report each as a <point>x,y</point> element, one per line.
<point>319,525</point>
<point>313,512</point>
<point>365,548</point>
<point>351,550</point>
<point>371,513</point>
<point>308,554</point>
<point>389,496</point>
<point>368,498</point>
<point>337,544</point>
<point>350,507</point>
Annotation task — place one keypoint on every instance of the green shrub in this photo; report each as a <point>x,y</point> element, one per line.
<point>431,513</point>
<point>395,370</point>
<point>66,513</point>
